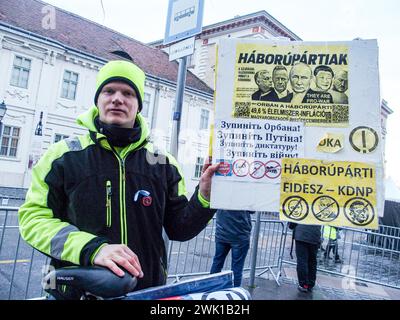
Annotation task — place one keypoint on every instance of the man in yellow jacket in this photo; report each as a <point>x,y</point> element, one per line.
<point>332,235</point>
<point>104,198</point>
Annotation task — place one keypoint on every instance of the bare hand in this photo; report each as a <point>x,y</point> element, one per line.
<point>114,255</point>
<point>205,179</point>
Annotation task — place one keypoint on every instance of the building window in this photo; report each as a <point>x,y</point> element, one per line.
<point>20,72</point>
<point>205,114</point>
<point>146,105</point>
<point>59,137</point>
<point>9,141</point>
<point>70,83</point>
<point>198,167</point>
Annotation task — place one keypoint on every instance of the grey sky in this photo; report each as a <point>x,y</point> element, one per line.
<point>319,20</point>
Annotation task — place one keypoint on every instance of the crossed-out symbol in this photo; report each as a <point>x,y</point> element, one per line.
<point>241,168</point>
<point>295,207</point>
<point>257,169</point>
<point>325,208</point>
<point>273,169</point>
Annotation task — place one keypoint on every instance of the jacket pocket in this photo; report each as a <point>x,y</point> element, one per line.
<point>108,203</point>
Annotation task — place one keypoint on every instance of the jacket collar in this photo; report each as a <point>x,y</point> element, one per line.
<point>86,120</point>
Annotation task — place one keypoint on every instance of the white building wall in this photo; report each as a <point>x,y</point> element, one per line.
<point>59,115</point>
<point>204,56</point>
<point>20,105</point>
<point>193,142</point>
<point>43,94</point>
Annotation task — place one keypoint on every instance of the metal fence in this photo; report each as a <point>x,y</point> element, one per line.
<point>20,264</point>
<point>365,255</point>
<point>370,256</point>
<point>194,257</point>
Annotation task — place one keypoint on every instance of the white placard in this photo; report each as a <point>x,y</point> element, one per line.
<point>184,19</point>
<point>181,49</point>
<point>330,90</point>
<point>250,150</point>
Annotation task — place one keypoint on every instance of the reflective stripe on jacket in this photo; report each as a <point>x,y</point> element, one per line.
<point>83,194</point>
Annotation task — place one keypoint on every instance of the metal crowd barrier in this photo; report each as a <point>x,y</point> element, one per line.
<point>20,264</point>
<point>366,255</point>
<point>194,257</point>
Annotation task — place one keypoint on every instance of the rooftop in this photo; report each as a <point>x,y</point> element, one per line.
<point>258,18</point>
<point>81,35</point>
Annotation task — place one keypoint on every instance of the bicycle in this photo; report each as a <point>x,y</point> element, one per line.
<point>99,283</point>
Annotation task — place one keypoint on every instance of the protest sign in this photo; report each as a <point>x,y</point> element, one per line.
<point>338,193</point>
<point>280,101</point>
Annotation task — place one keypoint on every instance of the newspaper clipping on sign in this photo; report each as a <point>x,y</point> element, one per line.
<point>292,84</point>
<point>297,131</point>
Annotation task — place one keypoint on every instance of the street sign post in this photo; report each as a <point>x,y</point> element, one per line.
<point>181,49</point>
<point>184,19</point>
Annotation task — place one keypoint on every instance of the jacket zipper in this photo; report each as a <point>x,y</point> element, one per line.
<point>122,196</point>
<point>122,211</point>
<point>108,202</point>
<point>124,234</point>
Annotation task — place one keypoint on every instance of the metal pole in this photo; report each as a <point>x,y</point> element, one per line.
<point>180,88</point>
<point>253,255</point>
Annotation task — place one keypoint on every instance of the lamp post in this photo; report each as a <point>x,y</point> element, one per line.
<point>3,110</point>
<point>39,126</point>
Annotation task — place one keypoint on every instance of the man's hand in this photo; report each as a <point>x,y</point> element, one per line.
<point>114,255</point>
<point>205,179</point>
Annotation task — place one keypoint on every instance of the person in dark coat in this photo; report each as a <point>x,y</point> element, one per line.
<point>280,79</point>
<point>266,91</point>
<point>232,233</point>
<point>308,240</point>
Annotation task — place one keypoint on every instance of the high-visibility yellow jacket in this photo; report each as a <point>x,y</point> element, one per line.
<point>84,194</point>
<point>330,233</point>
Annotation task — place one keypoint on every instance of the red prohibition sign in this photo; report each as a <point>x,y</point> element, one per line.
<point>240,168</point>
<point>273,169</point>
<point>257,170</point>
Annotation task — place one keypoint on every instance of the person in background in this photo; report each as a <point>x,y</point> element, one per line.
<point>265,90</point>
<point>308,239</point>
<point>339,87</point>
<point>300,77</point>
<point>323,81</point>
<point>331,234</point>
<point>233,229</point>
<point>280,79</point>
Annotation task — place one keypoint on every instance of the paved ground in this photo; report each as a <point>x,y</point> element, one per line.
<point>327,288</point>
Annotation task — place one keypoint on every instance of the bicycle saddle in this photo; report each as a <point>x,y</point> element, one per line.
<point>98,281</point>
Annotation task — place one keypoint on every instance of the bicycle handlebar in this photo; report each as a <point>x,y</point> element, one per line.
<point>98,281</point>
